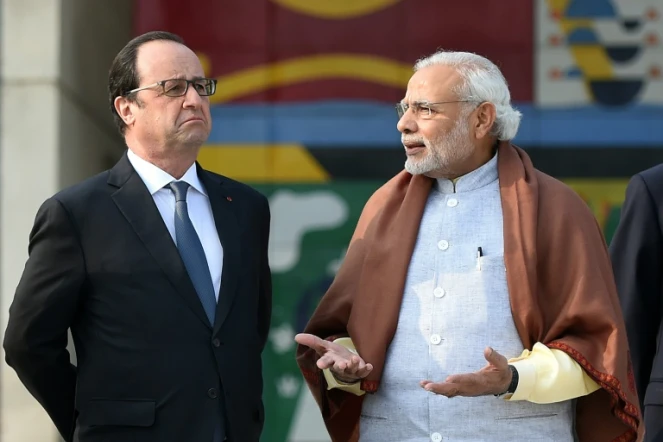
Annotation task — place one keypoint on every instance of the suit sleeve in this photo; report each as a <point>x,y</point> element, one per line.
<point>44,307</point>
<point>265,307</point>
<point>637,256</point>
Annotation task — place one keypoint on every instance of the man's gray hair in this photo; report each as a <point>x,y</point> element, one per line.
<point>482,81</point>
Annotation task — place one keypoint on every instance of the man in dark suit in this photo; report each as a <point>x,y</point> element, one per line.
<point>636,251</point>
<point>160,270</point>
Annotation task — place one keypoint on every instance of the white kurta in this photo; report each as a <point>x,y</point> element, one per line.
<point>454,305</point>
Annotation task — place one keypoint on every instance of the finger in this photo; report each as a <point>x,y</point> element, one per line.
<point>443,388</point>
<point>354,364</point>
<point>494,358</point>
<point>340,365</point>
<point>312,341</point>
<point>361,365</point>
<point>365,371</point>
<point>351,367</point>
<point>325,362</point>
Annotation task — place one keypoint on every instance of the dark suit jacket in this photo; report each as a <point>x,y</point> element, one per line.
<point>149,365</point>
<point>636,251</point>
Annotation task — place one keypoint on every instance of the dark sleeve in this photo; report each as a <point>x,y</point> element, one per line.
<point>636,251</point>
<point>265,306</point>
<point>44,306</point>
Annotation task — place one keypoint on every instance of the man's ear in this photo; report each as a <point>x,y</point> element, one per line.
<point>486,115</point>
<point>124,108</point>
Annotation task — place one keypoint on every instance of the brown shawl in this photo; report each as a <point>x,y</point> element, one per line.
<point>560,281</point>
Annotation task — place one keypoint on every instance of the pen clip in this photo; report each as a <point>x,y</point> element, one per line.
<point>479,255</point>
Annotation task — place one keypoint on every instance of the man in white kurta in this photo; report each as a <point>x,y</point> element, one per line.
<point>456,299</point>
<point>454,303</point>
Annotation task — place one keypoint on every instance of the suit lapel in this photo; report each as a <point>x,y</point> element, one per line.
<point>227,226</point>
<point>137,205</point>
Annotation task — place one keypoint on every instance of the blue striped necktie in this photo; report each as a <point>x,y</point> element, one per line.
<point>193,255</point>
<point>192,252</point>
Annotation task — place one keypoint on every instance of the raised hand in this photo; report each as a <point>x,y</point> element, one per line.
<point>346,366</point>
<point>492,379</point>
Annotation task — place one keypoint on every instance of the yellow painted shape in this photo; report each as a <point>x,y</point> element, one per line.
<point>569,25</point>
<point>250,163</point>
<point>592,61</point>
<point>558,5</point>
<point>330,66</point>
<point>259,163</point>
<point>205,63</point>
<point>336,9</point>
<point>609,190</point>
<point>601,194</point>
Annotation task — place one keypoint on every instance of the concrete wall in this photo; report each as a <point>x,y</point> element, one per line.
<point>55,129</point>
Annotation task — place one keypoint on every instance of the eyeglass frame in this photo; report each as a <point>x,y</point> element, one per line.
<point>186,89</point>
<point>402,108</point>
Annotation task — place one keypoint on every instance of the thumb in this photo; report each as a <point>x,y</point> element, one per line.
<point>312,341</point>
<point>494,358</point>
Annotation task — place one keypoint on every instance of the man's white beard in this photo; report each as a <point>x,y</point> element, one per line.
<point>444,154</point>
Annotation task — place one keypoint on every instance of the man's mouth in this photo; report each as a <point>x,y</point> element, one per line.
<point>192,120</point>
<point>413,147</point>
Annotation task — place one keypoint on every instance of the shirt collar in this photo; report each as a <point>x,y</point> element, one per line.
<point>156,179</point>
<point>476,179</point>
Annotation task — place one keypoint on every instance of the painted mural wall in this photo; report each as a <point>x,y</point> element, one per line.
<point>304,111</point>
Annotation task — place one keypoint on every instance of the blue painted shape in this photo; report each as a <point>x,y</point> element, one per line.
<point>591,9</point>
<point>622,54</point>
<point>631,25</point>
<point>616,92</point>
<point>591,126</point>
<point>582,36</point>
<point>574,73</point>
<point>372,124</point>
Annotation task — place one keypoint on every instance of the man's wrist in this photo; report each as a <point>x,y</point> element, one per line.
<point>513,385</point>
<point>342,380</point>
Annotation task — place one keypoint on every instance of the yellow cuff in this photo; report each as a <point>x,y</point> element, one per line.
<point>526,379</point>
<point>549,375</point>
<point>332,382</point>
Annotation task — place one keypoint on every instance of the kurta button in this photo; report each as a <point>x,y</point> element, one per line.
<point>216,342</point>
<point>443,245</point>
<point>436,437</point>
<point>453,202</point>
<point>438,292</point>
<point>212,393</point>
<point>435,339</point>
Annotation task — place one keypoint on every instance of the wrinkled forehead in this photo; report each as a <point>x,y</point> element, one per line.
<point>432,84</point>
<point>161,60</point>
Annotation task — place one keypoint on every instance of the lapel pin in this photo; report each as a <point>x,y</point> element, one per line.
<point>228,198</point>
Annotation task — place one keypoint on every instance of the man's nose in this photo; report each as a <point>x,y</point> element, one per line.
<point>192,98</point>
<point>407,124</point>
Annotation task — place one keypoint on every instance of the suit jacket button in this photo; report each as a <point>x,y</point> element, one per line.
<point>216,342</point>
<point>212,393</point>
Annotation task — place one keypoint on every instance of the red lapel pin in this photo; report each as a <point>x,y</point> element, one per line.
<point>228,198</point>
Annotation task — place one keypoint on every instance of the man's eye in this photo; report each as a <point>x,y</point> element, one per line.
<point>176,87</point>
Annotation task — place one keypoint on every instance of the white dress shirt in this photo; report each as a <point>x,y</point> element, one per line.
<point>200,210</point>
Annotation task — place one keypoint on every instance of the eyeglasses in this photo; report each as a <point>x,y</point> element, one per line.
<point>423,109</point>
<point>177,87</point>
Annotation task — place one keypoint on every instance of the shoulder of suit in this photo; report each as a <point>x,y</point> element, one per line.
<point>653,175</point>
<point>84,190</point>
<point>237,186</point>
